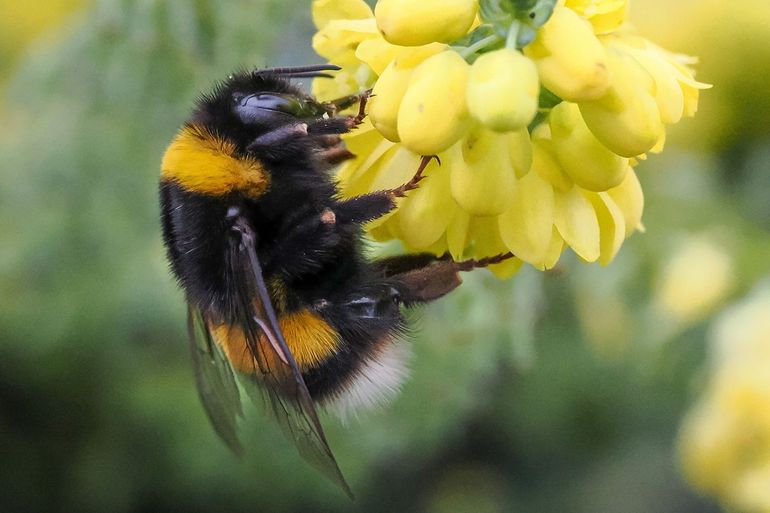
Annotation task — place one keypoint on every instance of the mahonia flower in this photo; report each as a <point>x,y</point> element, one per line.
<point>725,440</point>
<point>537,109</point>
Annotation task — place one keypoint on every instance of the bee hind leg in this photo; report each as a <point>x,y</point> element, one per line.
<point>420,278</point>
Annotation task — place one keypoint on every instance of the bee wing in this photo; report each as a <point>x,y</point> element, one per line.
<point>283,384</point>
<point>292,407</point>
<point>216,384</point>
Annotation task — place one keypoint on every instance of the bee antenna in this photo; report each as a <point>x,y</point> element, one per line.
<point>300,71</point>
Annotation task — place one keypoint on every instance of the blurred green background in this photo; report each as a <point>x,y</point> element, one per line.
<point>558,392</point>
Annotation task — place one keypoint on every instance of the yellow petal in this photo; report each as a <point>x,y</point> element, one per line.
<point>457,234</point>
<point>604,15</point>
<point>485,232</point>
<point>668,92</point>
<point>507,268</point>
<point>526,227</point>
<point>482,178</point>
<point>612,225</point>
<point>629,198</point>
<point>396,167</point>
<point>547,166</point>
<point>555,249</point>
<point>353,78</point>
<point>340,36</point>
<point>399,169</point>
<point>326,10</point>
<point>425,213</point>
<point>577,224</point>
<point>520,151</point>
<point>356,176</point>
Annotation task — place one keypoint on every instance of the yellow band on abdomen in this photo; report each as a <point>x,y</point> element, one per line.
<point>311,340</point>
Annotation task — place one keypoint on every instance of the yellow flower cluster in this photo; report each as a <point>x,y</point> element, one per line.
<point>537,109</point>
<point>725,441</point>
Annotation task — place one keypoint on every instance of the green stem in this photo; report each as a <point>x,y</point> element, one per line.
<point>478,45</point>
<point>511,41</point>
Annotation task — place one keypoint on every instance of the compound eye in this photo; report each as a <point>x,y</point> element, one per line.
<point>262,106</point>
<point>271,102</point>
<point>253,108</point>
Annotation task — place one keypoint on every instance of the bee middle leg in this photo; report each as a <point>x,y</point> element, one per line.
<point>367,207</point>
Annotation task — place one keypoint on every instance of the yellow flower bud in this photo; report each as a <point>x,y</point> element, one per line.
<point>378,53</point>
<point>414,23</point>
<point>390,87</point>
<point>587,161</point>
<point>526,226</point>
<point>626,119</point>
<point>520,151</point>
<point>326,10</point>
<point>433,115</point>
<point>696,279</point>
<point>576,221</point>
<point>386,100</point>
<point>482,177</point>
<point>503,90</point>
<point>570,60</point>
<point>629,198</point>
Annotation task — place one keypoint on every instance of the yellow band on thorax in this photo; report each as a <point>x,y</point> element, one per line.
<point>202,162</point>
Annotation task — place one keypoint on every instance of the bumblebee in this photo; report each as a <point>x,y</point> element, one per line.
<point>280,296</point>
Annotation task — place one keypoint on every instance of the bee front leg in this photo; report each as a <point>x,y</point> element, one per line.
<point>276,143</point>
<point>340,104</point>
<point>342,125</point>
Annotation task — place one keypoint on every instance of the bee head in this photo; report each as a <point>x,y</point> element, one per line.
<point>249,104</point>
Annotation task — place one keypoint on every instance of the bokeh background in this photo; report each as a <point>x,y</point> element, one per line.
<point>638,387</point>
